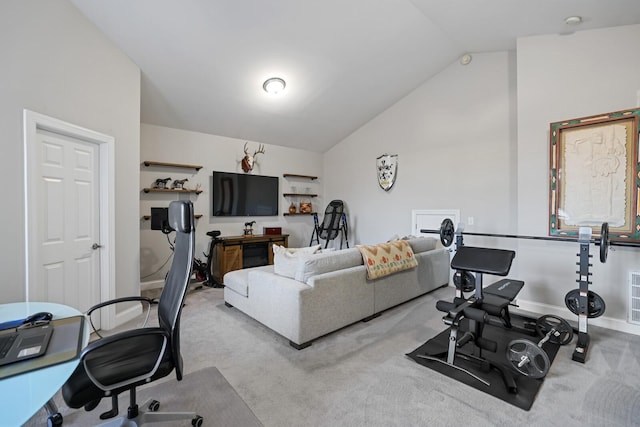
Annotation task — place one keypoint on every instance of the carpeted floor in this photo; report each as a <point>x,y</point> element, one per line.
<point>360,376</point>
<point>224,407</point>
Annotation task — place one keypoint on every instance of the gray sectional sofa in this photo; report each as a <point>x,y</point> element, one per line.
<point>326,291</point>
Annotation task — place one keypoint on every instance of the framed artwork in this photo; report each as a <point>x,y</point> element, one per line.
<point>594,175</point>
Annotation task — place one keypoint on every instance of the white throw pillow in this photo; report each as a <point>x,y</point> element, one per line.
<point>285,260</point>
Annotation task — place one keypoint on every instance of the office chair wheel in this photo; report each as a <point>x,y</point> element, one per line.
<point>154,405</point>
<point>54,420</point>
<point>197,421</point>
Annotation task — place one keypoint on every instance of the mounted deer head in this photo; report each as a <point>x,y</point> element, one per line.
<point>248,161</point>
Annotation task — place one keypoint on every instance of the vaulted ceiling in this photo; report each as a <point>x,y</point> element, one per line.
<point>203,62</point>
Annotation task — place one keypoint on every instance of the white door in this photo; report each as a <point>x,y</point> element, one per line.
<point>69,215</point>
<point>64,232</point>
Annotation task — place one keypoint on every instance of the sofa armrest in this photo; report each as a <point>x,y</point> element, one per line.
<point>274,301</point>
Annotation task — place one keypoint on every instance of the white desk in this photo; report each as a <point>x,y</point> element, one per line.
<point>23,395</point>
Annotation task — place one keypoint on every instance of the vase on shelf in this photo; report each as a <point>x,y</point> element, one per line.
<point>292,208</point>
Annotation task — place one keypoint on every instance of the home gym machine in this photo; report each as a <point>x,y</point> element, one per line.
<point>584,303</point>
<point>483,340</point>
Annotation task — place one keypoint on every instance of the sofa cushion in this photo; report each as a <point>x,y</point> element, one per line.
<point>422,244</point>
<point>387,258</point>
<point>326,262</point>
<point>238,280</point>
<point>285,260</point>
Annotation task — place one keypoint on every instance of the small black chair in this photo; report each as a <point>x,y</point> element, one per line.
<point>132,358</point>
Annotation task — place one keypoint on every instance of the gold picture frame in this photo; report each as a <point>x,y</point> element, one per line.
<point>594,176</point>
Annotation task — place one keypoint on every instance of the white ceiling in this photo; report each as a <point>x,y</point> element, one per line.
<point>203,62</point>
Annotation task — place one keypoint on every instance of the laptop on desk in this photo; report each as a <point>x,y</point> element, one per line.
<point>20,344</point>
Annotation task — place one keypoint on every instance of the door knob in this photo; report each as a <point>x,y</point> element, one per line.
<point>95,246</point>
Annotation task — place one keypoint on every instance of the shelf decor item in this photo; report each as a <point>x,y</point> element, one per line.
<point>306,207</point>
<point>161,183</point>
<point>292,208</point>
<point>178,184</point>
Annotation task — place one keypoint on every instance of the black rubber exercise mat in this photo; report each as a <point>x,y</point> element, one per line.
<point>526,388</point>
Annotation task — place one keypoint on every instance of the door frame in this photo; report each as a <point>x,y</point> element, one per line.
<point>32,122</point>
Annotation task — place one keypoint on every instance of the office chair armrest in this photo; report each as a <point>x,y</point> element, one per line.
<point>149,301</point>
<point>134,354</point>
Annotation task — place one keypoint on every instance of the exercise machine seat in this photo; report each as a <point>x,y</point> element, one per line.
<point>126,360</point>
<point>483,260</point>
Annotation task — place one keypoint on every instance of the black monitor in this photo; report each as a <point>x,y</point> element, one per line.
<point>160,220</point>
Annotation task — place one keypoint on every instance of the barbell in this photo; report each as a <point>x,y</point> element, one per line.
<point>447,233</point>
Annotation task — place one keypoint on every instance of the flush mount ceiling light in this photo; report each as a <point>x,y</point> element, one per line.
<point>274,85</point>
<point>573,20</point>
<point>465,59</point>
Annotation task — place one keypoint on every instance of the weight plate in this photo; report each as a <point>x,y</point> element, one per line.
<point>528,359</point>
<point>464,280</point>
<point>595,303</point>
<point>447,232</point>
<point>562,332</point>
<point>604,242</point>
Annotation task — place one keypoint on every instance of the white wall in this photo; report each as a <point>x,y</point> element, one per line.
<point>221,154</point>
<point>455,141</point>
<point>476,138</point>
<point>565,77</point>
<point>56,63</point>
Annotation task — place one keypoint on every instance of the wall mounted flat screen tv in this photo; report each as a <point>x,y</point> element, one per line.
<point>235,194</point>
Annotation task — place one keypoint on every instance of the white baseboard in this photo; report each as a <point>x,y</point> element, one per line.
<point>128,314</point>
<point>153,284</point>
<point>602,321</point>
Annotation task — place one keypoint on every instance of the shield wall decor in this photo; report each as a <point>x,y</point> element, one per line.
<point>387,166</point>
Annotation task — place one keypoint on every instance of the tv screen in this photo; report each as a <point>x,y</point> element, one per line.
<point>235,194</point>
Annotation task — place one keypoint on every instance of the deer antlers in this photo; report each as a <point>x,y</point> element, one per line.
<point>248,160</point>
<point>260,150</point>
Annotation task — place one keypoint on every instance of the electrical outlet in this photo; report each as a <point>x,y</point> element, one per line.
<point>470,220</point>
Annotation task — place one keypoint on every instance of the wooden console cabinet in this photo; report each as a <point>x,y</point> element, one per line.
<point>237,252</point>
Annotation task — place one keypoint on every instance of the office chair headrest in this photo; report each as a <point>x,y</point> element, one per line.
<point>181,216</point>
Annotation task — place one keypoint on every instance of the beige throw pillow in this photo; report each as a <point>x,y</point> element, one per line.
<point>285,260</point>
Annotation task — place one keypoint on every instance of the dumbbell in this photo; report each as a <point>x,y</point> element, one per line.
<point>529,358</point>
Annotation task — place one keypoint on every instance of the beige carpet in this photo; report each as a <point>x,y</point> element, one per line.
<point>205,392</point>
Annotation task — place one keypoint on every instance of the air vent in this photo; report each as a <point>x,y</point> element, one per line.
<point>634,297</point>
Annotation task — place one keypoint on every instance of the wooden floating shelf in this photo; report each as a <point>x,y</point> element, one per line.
<point>148,217</point>
<point>169,190</point>
<point>172,165</point>
<point>293,175</point>
<point>298,213</point>
<point>299,195</point>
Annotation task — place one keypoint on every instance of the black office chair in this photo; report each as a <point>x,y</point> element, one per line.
<point>129,359</point>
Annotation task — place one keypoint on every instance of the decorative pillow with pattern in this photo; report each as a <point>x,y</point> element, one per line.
<point>387,258</point>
